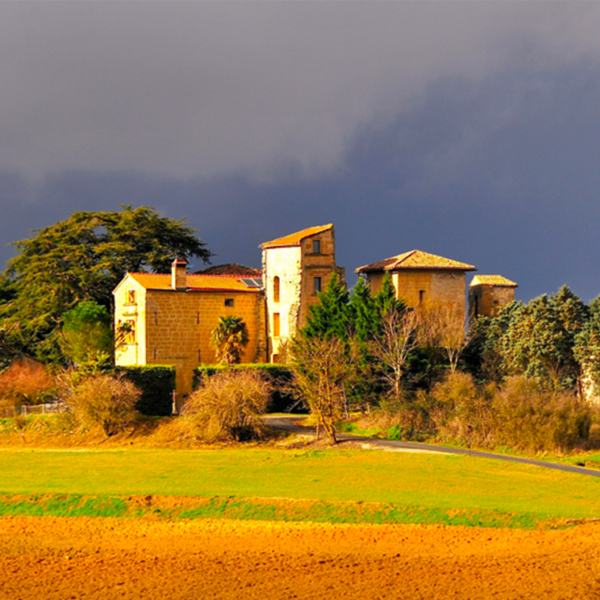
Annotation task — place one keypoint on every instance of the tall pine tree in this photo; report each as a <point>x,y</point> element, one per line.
<point>332,316</point>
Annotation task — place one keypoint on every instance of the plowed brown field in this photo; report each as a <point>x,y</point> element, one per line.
<point>75,558</point>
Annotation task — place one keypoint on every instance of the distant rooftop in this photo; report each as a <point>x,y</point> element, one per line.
<point>295,238</point>
<point>497,280</point>
<point>196,283</point>
<point>416,259</point>
<point>230,269</point>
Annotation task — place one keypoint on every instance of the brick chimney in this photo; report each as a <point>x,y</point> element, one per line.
<point>179,274</point>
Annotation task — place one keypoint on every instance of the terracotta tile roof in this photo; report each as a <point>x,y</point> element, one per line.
<point>416,259</point>
<point>196,283</point>
<point>295,238</point>
<point>492,280</point>
<point>230,269</point>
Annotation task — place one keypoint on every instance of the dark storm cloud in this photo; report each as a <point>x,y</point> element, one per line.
<point>204,88</point>
<point>464,129</point>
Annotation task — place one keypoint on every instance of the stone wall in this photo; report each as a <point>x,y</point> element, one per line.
<point>284,263</point>
<point>296,267</point>
<point>321,265</point>
<point>429,286</point>
<point>174,328</point>
<point>489,299</point>
<point>133,313</point>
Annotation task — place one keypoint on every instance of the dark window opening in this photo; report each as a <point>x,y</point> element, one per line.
<point>228,301</point>
<point>317,285</point>
<point>421,295</point>
<point>316,246</point>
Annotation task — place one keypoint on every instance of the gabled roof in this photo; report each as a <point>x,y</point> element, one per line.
<point>497,280</point>
<point>416,259</point>
<point>230,269</point>
<point>295,238</point>
<point>195,283</point>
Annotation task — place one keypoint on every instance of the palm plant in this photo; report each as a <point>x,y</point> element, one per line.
<point>229,338</point>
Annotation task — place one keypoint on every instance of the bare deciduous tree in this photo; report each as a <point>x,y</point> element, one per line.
<point>442,325</point>
<point>392,348</point>
<point>322,370</point>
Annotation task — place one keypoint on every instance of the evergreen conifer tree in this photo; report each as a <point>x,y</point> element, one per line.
<point>332,316</point>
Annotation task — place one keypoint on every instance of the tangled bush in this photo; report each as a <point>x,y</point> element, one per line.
<point>104,400</point>
<point>463,412</point>
<point>26,382</point>
<point>529,417</point>
<point>229,405</point>
<point>522,415</point>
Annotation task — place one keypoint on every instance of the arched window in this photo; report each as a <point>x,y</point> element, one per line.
<point>276,289</point>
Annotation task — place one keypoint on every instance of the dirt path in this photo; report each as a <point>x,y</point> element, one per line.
<point>59,558</point>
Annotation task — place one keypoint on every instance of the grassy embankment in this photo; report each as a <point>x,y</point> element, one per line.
<point>253,483</point>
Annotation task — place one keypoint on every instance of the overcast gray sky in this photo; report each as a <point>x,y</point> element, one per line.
<point>467,129</point>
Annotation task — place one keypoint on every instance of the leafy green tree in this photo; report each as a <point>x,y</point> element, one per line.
<point>84,258</point>
<point>87,338</point>
<point>331,317</point>
<point>229,338</point>
<point>537,339</point>
<point>364,313</point>
<point>386,302</point>
<point>587,344</point>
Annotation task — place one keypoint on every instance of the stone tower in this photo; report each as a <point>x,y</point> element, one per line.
<point>422,279</point>
<point>295,269</point>
<point>488,294</point>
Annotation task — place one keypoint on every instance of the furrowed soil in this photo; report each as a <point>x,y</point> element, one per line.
<point>48,558</point>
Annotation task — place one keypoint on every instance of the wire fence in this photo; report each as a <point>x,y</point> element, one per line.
<point>51,408</point>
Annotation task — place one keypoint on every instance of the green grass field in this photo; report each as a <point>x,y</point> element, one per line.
<point>385,486</point>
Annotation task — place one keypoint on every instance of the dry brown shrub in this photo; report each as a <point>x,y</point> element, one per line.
<point>229,406</point>
<point>529,417</point>
<point>26,382</point>
<point>463,412</point>
<point>522,415</point>
<point>404,418</point>
<point>104,400</point>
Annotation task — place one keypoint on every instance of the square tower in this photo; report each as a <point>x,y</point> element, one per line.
<point>295,269</point>
<point>488,294</point>
<point>422,279</point>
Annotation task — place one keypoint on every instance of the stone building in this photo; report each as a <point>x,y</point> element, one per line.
<point>295,269</point>
<point>488,294</point>
<point>172,316</point>
<point>421,278</point>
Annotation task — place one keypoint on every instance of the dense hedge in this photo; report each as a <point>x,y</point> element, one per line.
<point>280,377</point>
<point>157,384</point>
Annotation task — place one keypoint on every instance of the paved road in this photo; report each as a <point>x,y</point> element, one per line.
<point>292,424</point>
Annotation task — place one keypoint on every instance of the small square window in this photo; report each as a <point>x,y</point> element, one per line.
<point>228,301</point>
<point>316,246</point>
<point>317,285</point>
